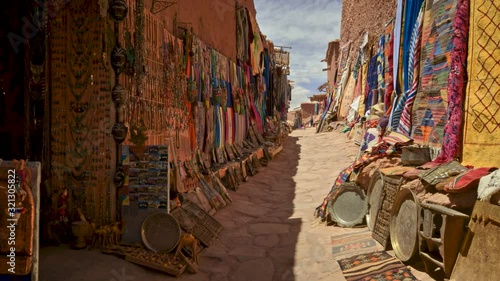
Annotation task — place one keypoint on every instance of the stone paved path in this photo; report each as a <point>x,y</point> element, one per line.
<point>269,234</point>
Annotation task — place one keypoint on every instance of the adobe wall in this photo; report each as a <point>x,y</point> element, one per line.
<point>359,16</point>
<point>214,22</point>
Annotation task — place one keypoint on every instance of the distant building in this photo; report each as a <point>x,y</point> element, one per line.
<point>331,58</point>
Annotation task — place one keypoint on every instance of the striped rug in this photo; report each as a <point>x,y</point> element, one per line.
<point>375,266</point>
<point>349,244</point>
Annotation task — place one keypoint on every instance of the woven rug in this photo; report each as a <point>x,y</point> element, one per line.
<point>482,103</point>
<point>349,244</point>
<point>377,266</point>
<point>437,44</point>
<point>429,118</point>
<point>347,97</point>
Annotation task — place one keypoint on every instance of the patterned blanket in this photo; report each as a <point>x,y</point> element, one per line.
<point>482,101</point>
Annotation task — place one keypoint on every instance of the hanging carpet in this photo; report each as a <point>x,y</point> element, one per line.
<point>482,101</point>
<point>437,44</point>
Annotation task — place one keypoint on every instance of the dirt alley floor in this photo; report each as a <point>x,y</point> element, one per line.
<point>270,232</point>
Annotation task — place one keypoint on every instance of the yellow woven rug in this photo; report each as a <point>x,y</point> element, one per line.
<point>347,97</point>
<point>482,102</point>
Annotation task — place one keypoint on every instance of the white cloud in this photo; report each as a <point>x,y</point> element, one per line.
<point>299,95</point>
<point>306,26</point>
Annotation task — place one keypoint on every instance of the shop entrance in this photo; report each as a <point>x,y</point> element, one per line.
<point>22,82</point>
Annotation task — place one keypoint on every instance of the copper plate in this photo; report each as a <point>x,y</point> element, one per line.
<point>374,199</point>
<point>403,225</point>
<point>160,232</point>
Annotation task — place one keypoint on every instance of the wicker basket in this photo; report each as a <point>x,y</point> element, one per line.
<point>160,232</point>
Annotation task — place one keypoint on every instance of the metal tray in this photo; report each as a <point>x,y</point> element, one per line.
<point>403,225</point>
<point>375,192</point>
<point>349,205</point>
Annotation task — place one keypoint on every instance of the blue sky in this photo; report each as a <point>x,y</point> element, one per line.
<point>306,26</point>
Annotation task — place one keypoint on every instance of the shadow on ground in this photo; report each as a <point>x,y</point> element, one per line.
<point>259,241</point>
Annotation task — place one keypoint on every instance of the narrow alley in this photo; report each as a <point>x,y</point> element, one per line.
<point>270,232</point>
<point>249,140</point>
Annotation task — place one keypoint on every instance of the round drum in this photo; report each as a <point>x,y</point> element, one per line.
<point>374,198</point>
<point>348,205</point>
<point>403,225</point>
<point>160,232</point>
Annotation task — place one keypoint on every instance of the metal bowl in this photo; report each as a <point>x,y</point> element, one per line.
<point>160,232</point>
<point>403,225</point>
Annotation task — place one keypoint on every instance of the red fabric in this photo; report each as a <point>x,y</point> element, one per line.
<point>469,180</point>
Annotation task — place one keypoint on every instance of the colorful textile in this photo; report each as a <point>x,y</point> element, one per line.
<point>347,97</point>
<point>343,61</point>
<point>482,107</point>
<point>381,63</point>
<point>404,125</point>
<point>256,47</point>
<point>370,139</point>
<point>412,10</point>
<point>456,85</point>
<point>374,266</point>
<point>357,65</point>
<point>363,82</point>
<point>349,244</point>
<point>468,180</point>
<point>389,53</point>
<point>372,82</point>
<point>396,114</point>
<point>437,44</point>
<point>429,117</point>
<point>396,46</point>
<point>395,138</point>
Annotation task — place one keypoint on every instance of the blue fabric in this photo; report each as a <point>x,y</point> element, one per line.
<point>409,94</point>
<point>229,102</point>
<point>397,44</point>
<point>267,81</point>
<point>412,9</point>
<point>372,82</point>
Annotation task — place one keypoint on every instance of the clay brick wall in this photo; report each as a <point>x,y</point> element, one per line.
<point>359,16</point>
<point>214,21</point>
